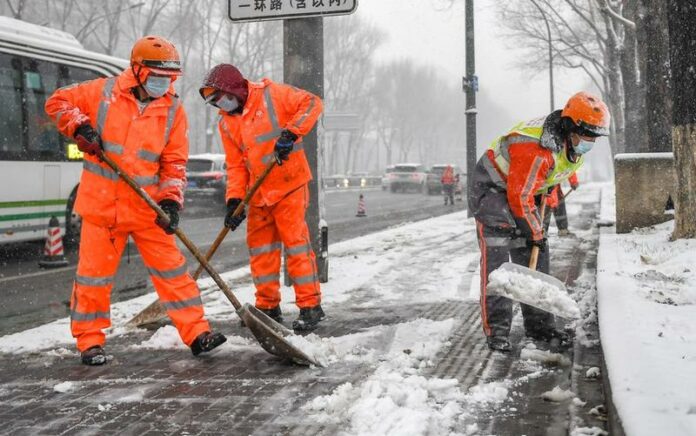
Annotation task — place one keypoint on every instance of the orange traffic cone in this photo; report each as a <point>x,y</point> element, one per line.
<point>362,212</point>
<point>53,255</point>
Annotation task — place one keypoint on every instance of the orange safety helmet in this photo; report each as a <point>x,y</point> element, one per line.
<point>589,114</point>
<point>155,54</point>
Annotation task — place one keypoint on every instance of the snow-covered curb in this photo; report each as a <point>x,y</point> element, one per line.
<point>647,318</point>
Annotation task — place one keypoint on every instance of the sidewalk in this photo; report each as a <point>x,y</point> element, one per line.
<point>647,313</point>
<point>403,339</point>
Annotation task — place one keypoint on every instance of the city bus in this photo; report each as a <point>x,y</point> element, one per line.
<point>39,168</point>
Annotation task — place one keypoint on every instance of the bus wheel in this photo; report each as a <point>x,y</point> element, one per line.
<point>73,223</point>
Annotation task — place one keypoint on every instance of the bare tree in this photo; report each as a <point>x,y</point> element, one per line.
<point>653,48</point>
<point>682,40</point>
<point>591,35</point>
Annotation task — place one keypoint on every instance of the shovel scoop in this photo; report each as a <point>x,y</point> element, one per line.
<point>534,288</point>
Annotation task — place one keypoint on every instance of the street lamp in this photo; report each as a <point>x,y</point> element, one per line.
<point>548,30</point>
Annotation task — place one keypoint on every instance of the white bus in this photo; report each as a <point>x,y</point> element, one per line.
<point>39,168</point>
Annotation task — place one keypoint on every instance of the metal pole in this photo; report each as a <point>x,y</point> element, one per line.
<point>548,31</point>
<point>471,153</point>
<point>303,67</point>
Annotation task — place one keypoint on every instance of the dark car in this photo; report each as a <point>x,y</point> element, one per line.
<point>206,174</point>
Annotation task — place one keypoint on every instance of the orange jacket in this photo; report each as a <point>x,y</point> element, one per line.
<point>447,176</point>
<point>530,164</point>
<point>152,147</point>
<point>249,139</point>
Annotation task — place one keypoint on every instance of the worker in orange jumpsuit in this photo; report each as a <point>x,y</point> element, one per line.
<point>259,122</point>
<point>555,205</point>
<point>137,120</point>
<point>448,182</point>
<point>507,190</point>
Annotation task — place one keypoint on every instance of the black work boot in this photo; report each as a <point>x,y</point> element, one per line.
<point>308,319</point>
<point>207,342</point>
<point>498,343</point>
<point>93,356</point>
<point>558,340</point>
<point>275,314</point>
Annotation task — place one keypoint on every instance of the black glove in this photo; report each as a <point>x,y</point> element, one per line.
<point>284,145</point>
<point>88,140</point>
<point>541,243</point>
<point>231,221</point>
<point>171,208</point>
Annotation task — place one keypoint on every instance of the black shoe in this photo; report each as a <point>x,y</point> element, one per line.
<point>275,314</point>
<point>499,343</point>
<point>93,356</point>
<point>207,342</point>
<point>308,319</point>
<point>558,340</point>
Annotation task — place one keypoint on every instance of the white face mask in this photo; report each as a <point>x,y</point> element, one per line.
<point>583,146</point>
<point>157,86</point>
<point>227,104</point>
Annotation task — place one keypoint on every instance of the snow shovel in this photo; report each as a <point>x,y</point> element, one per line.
<point>273,337</point>
<point>155,312</point>
<point>532,287</point>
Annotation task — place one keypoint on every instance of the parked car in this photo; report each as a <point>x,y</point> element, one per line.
<point>407,176</point>
<point>206,174</point>
<point>433,183</point>
<point>385,177</point>
<point>336,181</point>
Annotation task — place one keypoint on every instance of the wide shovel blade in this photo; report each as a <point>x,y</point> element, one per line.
<point>273,336</point>
<point>534,288</point>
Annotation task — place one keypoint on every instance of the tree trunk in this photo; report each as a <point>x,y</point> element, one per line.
<point>652,21</point>
<point>682,53</point>
<point>617,97</point>
<point>633,88</point>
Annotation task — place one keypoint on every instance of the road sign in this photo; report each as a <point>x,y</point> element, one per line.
<point>341,121</point>
<point>261,10</point>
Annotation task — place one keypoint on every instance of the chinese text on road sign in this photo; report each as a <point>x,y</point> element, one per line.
<point>257,10</point>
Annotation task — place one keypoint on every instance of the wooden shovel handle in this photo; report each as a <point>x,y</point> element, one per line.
<point>178,232</point>
<point>238,211</point>
<point>534,257</point>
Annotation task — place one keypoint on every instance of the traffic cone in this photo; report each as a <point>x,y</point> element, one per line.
<point>362,212</point>
<point>53,255</point>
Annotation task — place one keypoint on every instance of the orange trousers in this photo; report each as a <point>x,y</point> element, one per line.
<point>100,255</point>
<point>268,229</point>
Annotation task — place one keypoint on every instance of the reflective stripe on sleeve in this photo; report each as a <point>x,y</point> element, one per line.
<point>306,114</point>
<point>104,103</point>
<point>148,155</point>
<point>112,147</point>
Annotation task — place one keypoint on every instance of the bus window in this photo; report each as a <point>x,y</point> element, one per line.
<point>43,140</point>
<point>10,108</point>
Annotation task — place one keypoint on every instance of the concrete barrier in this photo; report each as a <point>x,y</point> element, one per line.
<point>644,184</point>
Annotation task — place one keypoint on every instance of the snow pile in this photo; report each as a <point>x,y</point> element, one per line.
<point>530,290</point>
<point>398,399</point>
<point>588,431</point>
<point>530,352</point>
<point>593,372</point>
<point>65,387</point>
<point>165,338</point>
<point>647,315</point>
<point>557,395</point>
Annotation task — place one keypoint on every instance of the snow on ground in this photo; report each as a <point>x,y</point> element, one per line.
<point>420,262</point>
<point>647,316</point>
<point>397,399</point>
